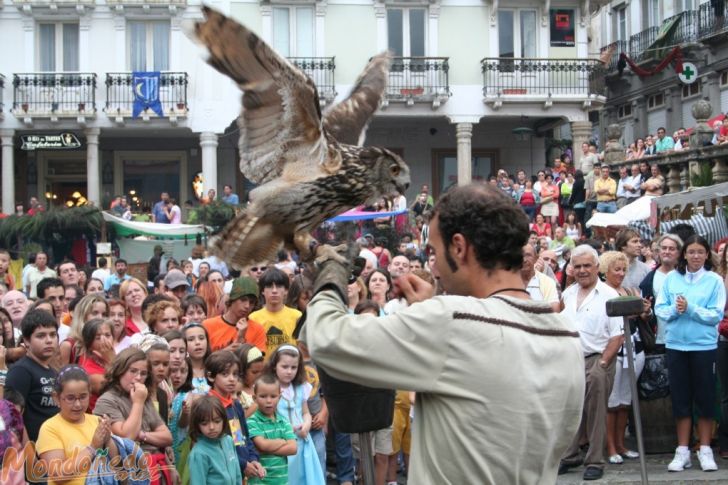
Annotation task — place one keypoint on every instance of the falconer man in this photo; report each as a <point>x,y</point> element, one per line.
<point>477,420</point>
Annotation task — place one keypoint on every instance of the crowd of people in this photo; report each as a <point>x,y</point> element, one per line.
<point>204,371</point>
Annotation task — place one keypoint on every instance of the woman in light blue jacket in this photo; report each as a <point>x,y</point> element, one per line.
<point>691,301</point>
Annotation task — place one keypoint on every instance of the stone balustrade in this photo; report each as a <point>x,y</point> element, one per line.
<point>678,167</point>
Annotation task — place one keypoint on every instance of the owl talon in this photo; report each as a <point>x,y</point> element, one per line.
<point>326,253</point>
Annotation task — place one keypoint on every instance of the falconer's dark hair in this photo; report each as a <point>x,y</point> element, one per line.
<point>489,220</point>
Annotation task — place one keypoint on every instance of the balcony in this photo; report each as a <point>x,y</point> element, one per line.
<point>321,72</point>
<point>418,80</point>
<point>679,29</point>
<point>685,29</point>
<point>172,95</point>
<point>613,50</point>
<point>541,80</point>
<point>171,5</point>
<point>640,42</point>
<point>27,6</point>
<point>712,23</point>
<point>54,95</point>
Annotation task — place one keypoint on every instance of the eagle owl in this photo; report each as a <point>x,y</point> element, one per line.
<point>309,167</point>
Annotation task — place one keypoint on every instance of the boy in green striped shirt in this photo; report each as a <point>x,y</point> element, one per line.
<point>271,433</point>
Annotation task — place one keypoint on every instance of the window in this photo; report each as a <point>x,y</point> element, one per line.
<point>655,101</point>
<point>148,45</point>
<point>624,111</point>
<point>693,89</point>
<point>517,33</point>
<point>685,5</point>
<point>653,17</point>
<point>620,23</point>
<point>484,163</point>
<point>724,79</point>
<point>58,47</point>
<point>406,31</point>
<point>294,31</point>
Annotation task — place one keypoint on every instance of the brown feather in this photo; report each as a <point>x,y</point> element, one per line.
<point>347,120</point>
<point>275,94</point>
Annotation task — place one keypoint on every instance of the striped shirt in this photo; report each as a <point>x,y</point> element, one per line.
<point>276,467</point>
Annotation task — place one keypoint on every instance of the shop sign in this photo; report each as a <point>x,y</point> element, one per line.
<point>62,141</point>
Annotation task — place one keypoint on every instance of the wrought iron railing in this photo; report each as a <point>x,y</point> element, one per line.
<point>172,94</point>
<point>712,19</point>
<point>542,77</point>
<point>614,49</point>
<point>641,41</point>
<point>418,79</point>
<point>321,71</point>
<point>686,29</point>
<point>54,93</point>
<point>132,3</point>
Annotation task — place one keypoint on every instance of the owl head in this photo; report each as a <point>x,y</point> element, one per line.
<point>387,172</point>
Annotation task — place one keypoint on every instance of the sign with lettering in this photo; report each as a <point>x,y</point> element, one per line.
<point>562,28</point>
<point>62,141</point>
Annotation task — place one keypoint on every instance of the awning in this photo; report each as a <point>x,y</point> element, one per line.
<point>695,196</point>
<point>639,210</point>
<point>124,228</point>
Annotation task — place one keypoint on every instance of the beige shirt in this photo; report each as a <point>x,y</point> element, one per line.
<point>499,381</point>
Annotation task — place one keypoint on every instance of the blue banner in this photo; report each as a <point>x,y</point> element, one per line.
<point>145,86</point>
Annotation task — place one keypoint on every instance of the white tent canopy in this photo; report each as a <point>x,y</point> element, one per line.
<point>172,231</point>
<point>638,210</point>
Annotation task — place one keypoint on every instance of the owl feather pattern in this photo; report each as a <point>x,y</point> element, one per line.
<point>309,166</point>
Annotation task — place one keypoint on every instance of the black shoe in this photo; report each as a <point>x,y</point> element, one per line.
<point>593,473</point>
<point>567,464</point>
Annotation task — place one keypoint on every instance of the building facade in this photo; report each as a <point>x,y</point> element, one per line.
<point>647,31</point>
<point>475,85</point>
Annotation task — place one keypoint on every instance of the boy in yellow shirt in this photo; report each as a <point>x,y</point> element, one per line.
<point>278,320</point>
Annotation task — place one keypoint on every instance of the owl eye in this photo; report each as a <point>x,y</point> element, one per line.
<point>394,170</point>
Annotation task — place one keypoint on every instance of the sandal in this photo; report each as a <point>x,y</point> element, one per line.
<point>616,460</point>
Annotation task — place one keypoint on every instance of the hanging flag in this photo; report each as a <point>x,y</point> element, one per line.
<point>145,86</point>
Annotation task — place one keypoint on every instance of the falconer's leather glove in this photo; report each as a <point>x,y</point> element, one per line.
<point>338,267</point>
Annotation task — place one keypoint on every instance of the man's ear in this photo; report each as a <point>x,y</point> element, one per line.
<point>459,247</point>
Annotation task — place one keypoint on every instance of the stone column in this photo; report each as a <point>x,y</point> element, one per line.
<point>464,134</point>
<point>581,132</point>
<point>614,154</point>
<point>208,143</point>
<point>93,173</point>
<point>673,179</point>
<point>8,184</point>
<point>702,134</point>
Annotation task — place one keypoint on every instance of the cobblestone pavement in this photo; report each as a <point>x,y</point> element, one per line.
<point>629,473</point>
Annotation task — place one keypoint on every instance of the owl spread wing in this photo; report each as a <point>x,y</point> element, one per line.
<point>281,132</point>
<point>347,120</point>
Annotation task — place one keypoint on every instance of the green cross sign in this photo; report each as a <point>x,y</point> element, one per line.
<point>689,74</point>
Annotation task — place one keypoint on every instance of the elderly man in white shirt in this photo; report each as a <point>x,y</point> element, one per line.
<point>601,337</point>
